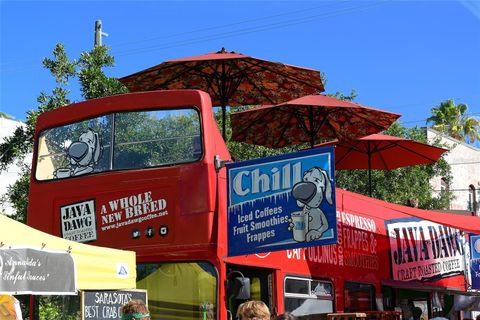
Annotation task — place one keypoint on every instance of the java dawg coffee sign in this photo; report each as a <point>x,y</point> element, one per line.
<point>143,214</point>
<point>281,202</point>
<point>78,221</point>
<point>423,250</point>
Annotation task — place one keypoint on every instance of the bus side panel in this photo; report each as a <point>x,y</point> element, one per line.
<point>361,256</point>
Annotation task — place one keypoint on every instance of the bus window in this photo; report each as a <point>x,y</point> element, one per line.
<point>179,290</point>
<point>155,138</point>
<point>140,139</point>
<point>74,149</point>
<point>359,297</point>
<point>305,296</point>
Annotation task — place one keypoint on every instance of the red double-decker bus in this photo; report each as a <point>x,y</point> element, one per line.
<point>144,172</point>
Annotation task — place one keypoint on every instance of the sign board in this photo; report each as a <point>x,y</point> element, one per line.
<point>475,261</point>
<point>144,215</point>
<point>423,250</point>
<point>97,305</point>
<point>31,271</point>
<point>78,221</point>
<point>281,202</point>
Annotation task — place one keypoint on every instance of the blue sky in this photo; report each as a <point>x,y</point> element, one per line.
<point>401,56</point>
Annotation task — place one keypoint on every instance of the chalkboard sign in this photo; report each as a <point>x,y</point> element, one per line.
<point>99,305</point>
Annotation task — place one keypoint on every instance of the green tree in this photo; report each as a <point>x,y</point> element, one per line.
<point>88,69</point>
<point>451,119</point>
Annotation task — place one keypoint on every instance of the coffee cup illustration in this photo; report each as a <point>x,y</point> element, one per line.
<point>299,227</point>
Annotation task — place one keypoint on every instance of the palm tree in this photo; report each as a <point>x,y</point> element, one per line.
<point>4,115</point>
<point>450,119</point>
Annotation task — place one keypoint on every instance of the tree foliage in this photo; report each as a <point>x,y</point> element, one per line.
<point>451,119</point>
<point>88,70</point>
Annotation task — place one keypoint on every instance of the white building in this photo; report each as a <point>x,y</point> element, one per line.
<point>12,173</point>
<point>464,160</point>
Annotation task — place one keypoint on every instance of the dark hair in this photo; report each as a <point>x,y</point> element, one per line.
<point>285,316</point>
<point>417,313</point>
<point>135,306</point>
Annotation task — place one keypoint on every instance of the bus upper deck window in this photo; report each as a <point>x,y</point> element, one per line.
<point>74,149</point>
<point>140,139</point>
<point>155,138</point>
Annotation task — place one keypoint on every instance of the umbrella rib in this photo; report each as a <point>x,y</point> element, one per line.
<point>195,69</point>
<point>364,117</point>
<point>352,147</point>
<point>301,119</point>
<point>285,75</point>
<point>247,127</point>
<point>238,79</point>
<point>414,152</point>
<point>185,69</point>
<point>286,127</point>
<point>245,75</point>
<point>380,154</point>
<point>316,130</point>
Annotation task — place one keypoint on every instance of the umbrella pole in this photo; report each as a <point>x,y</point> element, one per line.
<point>224,125</point>
<point>312,133</point>
<point>369,170</point>
<point>223,95</point>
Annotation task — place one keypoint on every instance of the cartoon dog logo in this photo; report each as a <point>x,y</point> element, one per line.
<point>82,155</point>
<point>314,188</point>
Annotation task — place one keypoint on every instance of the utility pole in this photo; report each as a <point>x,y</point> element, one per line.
<point>98,33</point>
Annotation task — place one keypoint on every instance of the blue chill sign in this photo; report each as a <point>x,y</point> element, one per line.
<point>281,202</point>
<point>475,261</point>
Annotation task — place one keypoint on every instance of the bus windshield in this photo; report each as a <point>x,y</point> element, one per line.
<point>117,141</point>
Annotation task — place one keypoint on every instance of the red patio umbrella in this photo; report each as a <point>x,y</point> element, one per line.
<point>231,79</point>
<point>308,119</point>
<point>382,152</point>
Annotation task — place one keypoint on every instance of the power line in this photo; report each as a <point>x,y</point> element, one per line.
<point>229,24</point>
<point>425,120</point>
<point>120,44</point>
<point>233,33</point>
<point>244,31</point>
<point>453,190</point>
<point>458,163</point>
<point>249,30</point>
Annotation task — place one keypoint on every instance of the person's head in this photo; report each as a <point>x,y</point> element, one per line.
<point>417,313</point>
<point>285,316</point>
<point>253,310</point>
<point>134,310</point>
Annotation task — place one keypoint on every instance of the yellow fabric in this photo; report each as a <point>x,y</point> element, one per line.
<point>96,267</point>
<point>7,308</point>
<point>186,282</point>
<point>255,289</point>
<point>179,284</point>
